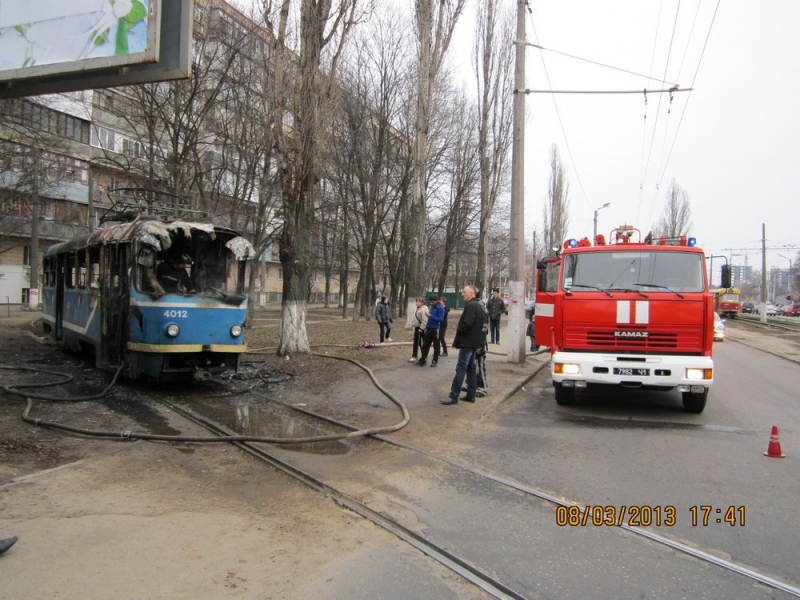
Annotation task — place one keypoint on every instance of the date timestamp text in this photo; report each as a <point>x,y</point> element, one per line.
<point>645,516</point>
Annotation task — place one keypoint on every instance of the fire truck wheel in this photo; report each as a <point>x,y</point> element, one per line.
<point>694,403</point>
<point>565,396</point>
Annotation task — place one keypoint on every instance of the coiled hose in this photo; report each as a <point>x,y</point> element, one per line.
<point>18,390</point>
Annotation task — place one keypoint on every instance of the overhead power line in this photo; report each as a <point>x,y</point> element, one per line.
<point>645,91</point>
<point>598,63</point>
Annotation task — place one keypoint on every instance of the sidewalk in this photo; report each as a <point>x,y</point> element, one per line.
<point>784,345</point>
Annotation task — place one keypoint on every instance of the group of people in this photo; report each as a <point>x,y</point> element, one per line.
<point>430,326</point>
<point>477,322</point>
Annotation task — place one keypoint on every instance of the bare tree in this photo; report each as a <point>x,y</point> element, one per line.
<point>298,148</point>
<point>435,23</point>
<point>493,61</point>
<point>368,149</point>
<point>463,171</point>
<point>556,211</point>
<point>675,221</point>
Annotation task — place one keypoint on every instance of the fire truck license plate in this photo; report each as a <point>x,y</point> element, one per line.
<point>631,371</point>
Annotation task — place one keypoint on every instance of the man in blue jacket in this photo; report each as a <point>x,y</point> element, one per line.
<point>469,337</point>
<point>431,334</point>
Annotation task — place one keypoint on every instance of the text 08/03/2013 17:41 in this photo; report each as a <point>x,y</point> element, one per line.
<point>645,516</point>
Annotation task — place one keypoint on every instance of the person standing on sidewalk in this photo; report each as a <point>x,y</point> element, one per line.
<point>469,337</point>
<point>496,308</point>
<point>419,322</point>
<point>383,315</point>
<point>431,334</point>
<point>443,326</point>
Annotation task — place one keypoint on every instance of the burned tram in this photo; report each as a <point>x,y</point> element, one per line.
<point>161,298</point>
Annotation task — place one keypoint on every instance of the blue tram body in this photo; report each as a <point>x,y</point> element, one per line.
<point>102,293</point>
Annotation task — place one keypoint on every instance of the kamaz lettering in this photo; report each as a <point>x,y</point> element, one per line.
<point>631,334</point>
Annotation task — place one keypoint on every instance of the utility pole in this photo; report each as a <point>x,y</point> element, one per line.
<point>33,289</point>
<point>516,296</point>
<point>535,272</point>
<point>763,273</point>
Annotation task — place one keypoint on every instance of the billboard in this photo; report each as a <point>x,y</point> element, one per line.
<point>50,46</point>
<point>39,37</point>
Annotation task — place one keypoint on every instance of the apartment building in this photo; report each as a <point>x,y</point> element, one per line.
<point>68,159</point>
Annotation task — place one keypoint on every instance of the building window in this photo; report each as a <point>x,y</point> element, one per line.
<point>26,295</point>
<point>26,256</point>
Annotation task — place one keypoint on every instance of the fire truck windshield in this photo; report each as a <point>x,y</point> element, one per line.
<point>651,271</point>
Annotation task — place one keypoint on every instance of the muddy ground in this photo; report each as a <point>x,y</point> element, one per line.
<point>136,519</point>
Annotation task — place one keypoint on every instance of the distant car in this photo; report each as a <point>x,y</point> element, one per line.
<point>719,328</point>
<point>792,310</point>
<point>748,308</point>
<point>772,310</point>
<point>779,310</point>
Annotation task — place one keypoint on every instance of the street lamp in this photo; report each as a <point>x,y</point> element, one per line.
<point>790,273</point>
<point>606,205</point>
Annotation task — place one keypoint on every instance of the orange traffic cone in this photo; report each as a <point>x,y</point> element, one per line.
<point>774,448</point>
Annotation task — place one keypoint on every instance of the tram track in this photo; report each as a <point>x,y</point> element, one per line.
<point>458,565</point>
<point>448,559</point>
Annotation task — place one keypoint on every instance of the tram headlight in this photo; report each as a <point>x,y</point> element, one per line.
<point>173,330</point>
<point>236,330</point>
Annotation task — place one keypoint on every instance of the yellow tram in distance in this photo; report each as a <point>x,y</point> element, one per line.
<point>727,302</point>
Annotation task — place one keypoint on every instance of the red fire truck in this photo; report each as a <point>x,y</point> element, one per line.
<point>628,313</point>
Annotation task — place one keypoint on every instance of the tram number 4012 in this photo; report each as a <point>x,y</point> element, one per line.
<point>176,314</point>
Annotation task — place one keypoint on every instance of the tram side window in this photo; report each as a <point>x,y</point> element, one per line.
<point>94,268</point>
<point>69,274</point>
<point>46,272</point>
<point>82,269</point>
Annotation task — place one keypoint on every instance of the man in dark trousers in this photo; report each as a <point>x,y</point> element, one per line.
<point>443,326</point>
<point>496,308</point>
<point>469,337</point>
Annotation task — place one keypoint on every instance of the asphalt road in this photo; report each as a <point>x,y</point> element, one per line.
<point>610,450</point>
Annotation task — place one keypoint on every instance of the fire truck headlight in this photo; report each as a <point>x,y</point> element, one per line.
<point>699,374</point>
<point>236,330</point>
<point>173,330</point>
<point>567,368</point>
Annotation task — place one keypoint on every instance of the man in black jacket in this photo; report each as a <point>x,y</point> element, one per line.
<point>496,308</point>
<point>469,337</point>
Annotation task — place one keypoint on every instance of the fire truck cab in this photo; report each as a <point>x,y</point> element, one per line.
<point>628,312</point>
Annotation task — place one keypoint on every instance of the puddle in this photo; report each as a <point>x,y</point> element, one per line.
<point>145,415</point>
<point>244,419</point>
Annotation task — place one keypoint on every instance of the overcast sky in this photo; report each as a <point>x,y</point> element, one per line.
<point>733,144</point>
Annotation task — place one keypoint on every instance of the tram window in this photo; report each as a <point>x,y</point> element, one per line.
<point>94,268</point>
<point>69,271</point>
<point>82,268</point>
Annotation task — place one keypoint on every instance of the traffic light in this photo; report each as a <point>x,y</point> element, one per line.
<point>725,277</point>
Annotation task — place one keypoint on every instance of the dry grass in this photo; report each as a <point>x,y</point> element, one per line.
<point>324,326</point>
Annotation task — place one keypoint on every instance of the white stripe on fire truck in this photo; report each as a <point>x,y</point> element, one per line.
<point>623,311</point>
<point>642,312</point>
